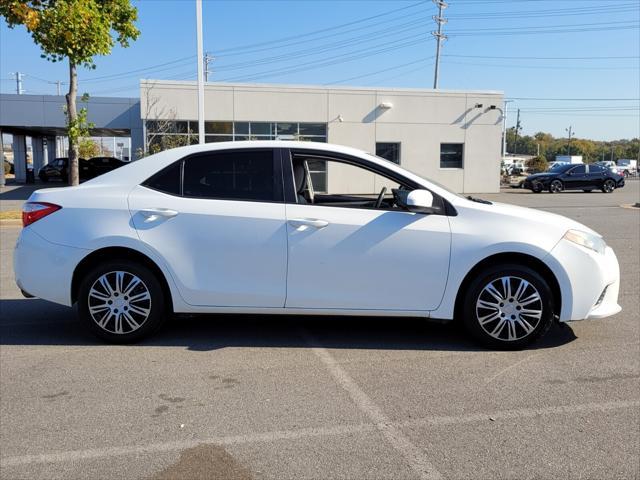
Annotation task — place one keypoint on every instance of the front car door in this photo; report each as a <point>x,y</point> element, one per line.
<point>346,254</point>
<point>218,219</point>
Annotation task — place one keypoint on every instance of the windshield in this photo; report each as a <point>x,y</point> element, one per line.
<point>559,166</point>
<point>439,185</point>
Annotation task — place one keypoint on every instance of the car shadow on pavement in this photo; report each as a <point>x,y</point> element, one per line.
<point>36,322</point>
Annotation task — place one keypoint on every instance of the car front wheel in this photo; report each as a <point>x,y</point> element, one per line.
<point>608,186</point>
<point>508,307</point>
<point>556,186</point>
<point>121,301</point>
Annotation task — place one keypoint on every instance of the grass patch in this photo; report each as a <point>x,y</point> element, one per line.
<point>11,215</point>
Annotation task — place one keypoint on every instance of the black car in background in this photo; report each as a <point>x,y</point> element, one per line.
<point>575,177</point>
<point>58,169</point>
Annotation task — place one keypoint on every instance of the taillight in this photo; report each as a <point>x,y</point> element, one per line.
<point>34,211</point>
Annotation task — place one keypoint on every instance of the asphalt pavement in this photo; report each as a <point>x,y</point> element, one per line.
<point>252,397</point>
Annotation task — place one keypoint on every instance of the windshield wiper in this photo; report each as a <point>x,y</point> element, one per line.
<point>479,200</point>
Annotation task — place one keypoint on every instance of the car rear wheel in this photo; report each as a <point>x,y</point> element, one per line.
<point>508,307</point>
<point>556,186</point>
<point>608,186</point>
<point>121,301</point>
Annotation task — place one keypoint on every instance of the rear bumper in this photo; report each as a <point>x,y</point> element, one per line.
<point>44,269</point>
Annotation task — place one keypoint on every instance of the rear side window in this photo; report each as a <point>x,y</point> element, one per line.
<point>167,180</point>
<point>234,175</point>
<point>596,169</point>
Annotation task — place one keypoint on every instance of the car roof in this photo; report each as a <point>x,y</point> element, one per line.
<point>140,170</point>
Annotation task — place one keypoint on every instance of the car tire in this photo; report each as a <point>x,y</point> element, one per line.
<point>537,187</point>
<point>121,301</point>
<point>43,177</point>
<point>491,309</point>
<point>556,186</point>
<point>608,186</point>
<point>588,190</point>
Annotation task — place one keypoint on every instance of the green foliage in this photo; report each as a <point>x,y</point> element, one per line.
<point>161,143</point>
<point>591,150</point>
<point>74,29</point>
<point>537,164</point>
<point>87,148</point>
<point>78,127</point>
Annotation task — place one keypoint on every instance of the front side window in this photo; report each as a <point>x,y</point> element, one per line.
<point>579,170</point>
<point>335,183</point>
<point>388,151</point>
<point>451,155</point>
<point>233,175</point>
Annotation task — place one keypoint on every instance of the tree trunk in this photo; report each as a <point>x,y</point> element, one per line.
<point>72,117</point>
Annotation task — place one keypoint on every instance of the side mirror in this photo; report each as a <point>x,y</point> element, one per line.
<point>420,201</point>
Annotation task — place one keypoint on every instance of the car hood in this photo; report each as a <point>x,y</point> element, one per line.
<point>523,222</point>
<point>540,175</point>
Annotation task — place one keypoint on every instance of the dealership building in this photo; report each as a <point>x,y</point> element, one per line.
<point>452,137</point>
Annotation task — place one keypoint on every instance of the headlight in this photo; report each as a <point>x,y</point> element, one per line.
<point>587,240</point>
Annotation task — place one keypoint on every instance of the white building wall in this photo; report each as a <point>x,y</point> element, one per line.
<point>419,119</point>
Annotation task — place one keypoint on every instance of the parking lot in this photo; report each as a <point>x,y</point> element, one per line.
<point>303,397</point>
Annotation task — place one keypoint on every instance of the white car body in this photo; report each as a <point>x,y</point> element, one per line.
<point>254,257</point>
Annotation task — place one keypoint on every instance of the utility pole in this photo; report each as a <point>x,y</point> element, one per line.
<point>569,142</point>
<point>504,127</point>
<point>208,58</point>
<point>19,77</point>
<point>515,146</point>
<point>58,84</point>
<point>200,76</point>
<point>439,36</point>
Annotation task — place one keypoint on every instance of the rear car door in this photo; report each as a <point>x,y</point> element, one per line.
<point>218,219</point>
<point>596,175</point>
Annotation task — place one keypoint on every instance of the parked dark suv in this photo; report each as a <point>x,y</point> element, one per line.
<point>575,177</point>
<point>59,168</point>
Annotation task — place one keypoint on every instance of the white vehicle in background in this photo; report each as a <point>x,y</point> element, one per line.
<point>628,166</point>
<point>613,167</point>
<point>569,158</point>
<point>251,227</point>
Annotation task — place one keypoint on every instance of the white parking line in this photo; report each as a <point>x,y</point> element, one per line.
<point>94,453</point>
<point>398,440</point>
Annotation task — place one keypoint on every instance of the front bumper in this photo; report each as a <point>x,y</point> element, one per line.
<point>589,281</point>
<point>44,269</point>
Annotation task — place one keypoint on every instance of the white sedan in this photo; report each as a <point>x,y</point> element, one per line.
<point>304,228</point>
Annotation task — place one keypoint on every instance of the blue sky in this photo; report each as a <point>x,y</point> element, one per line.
<point>583,52</point>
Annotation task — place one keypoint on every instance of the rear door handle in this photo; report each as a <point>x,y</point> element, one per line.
<point>155,213</point>
<point>308,222</point>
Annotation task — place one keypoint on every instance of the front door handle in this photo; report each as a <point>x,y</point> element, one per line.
<point>308,222</point>
<point>155,213</point>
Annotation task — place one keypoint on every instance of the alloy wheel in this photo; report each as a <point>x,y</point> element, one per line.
<point>556,186</point>
<point>608,186</point>
<point>119,302</point>
<point>509,308</point>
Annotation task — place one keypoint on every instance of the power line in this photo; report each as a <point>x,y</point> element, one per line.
<point>520,57</point>
<point>347,57</point>
<point>322,30</point>
<point>369,74</point>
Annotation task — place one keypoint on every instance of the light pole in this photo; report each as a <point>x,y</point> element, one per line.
<point>571,132</point>
<point>504,127</point>
<point>200,73</point>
